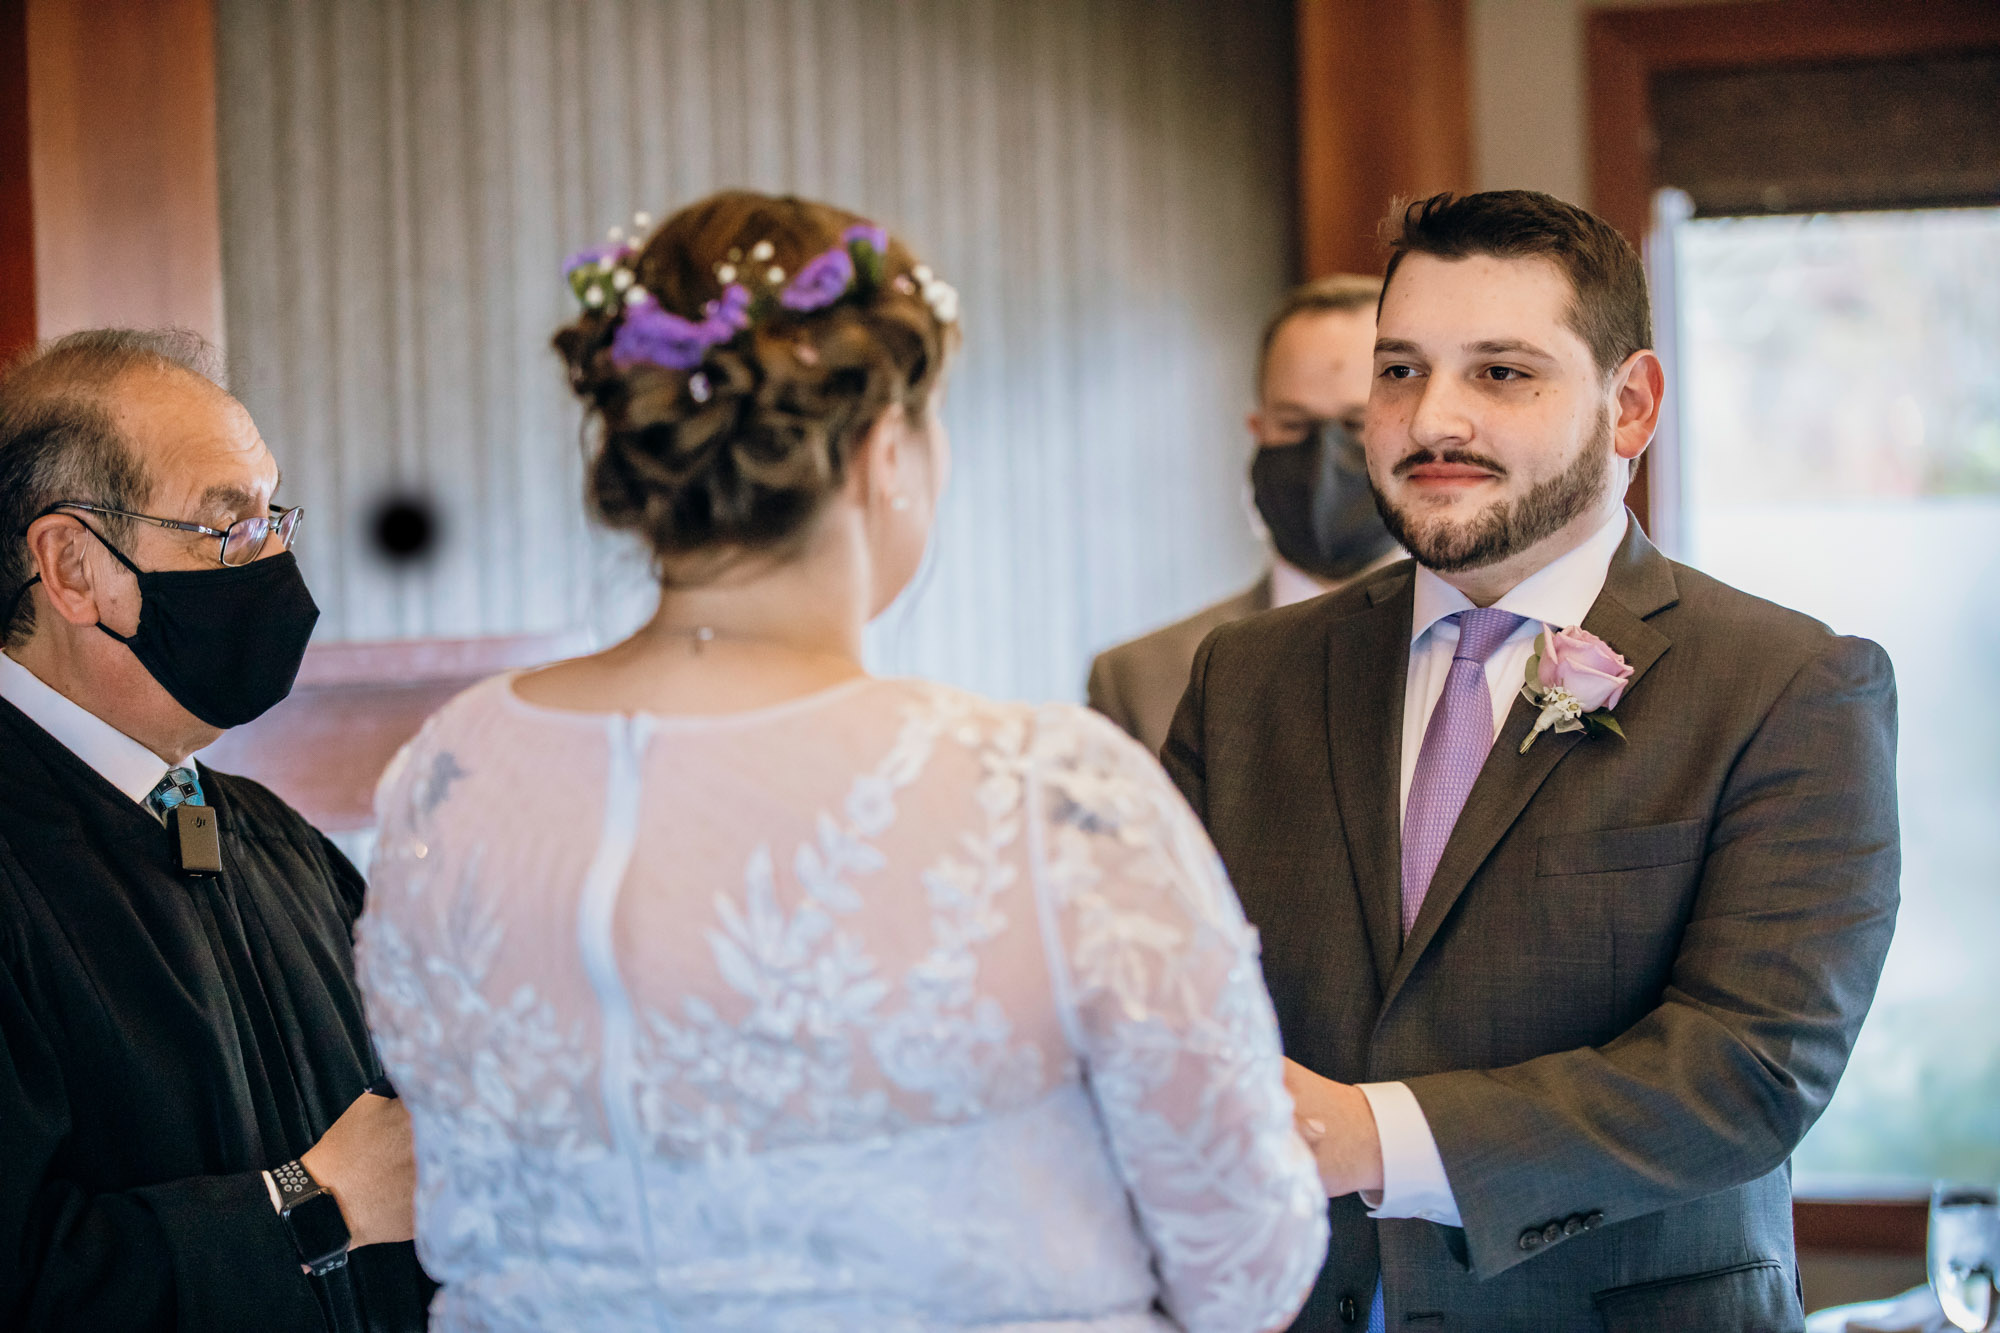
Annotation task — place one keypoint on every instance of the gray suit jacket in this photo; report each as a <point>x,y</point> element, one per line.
<point>1139,683</point>
<point>1637,975</point>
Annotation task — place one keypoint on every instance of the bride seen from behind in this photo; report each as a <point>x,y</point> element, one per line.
<point>730,987</point>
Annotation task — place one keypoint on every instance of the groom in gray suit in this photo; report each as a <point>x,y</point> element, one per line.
<point>1565,972</point>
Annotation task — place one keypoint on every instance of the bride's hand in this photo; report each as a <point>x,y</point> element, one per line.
<point>1336,1123</point>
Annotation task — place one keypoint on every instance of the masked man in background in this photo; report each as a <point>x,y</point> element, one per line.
<point>187,1141</point>
<point>1310,483</point>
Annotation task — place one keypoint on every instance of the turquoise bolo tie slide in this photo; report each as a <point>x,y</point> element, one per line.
<point>179,799</point>
<point>196,840</point>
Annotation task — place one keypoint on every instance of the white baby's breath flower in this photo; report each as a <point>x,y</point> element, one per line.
<point>942,298</point>
<point>615,234</point>
<point>621,278</point>
<point>774,275</point>
<point>725,273</point>
<point>642,221</point>
<point>593,296</point>
<point>762,251</point>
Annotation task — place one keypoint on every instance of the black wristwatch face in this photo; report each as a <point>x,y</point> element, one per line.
<point>319,1231</point>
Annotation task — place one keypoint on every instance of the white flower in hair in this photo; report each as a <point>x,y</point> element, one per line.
<point>762,251</point>
<point>942,298</point>
<point>642,222</point>
<point>725,273</point>
<point>621,278</point>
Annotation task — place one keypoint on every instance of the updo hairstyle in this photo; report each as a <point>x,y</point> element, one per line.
<point>737,456</point>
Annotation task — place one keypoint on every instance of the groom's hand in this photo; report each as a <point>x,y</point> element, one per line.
<point>1337,1124</point>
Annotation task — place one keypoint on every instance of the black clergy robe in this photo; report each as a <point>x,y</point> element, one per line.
<point>164,1040</point>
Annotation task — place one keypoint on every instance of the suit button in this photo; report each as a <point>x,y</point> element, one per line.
<point>1572,1225</point>
<point>1350,1310</point>
<point>1593,1221</point>
<point>1531,1239</point>
<point>1553,1232</point>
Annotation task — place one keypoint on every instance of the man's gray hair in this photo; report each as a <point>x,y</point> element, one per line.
<point>58,440</point>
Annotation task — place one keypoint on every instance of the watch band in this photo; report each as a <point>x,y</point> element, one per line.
<point>312,1216</point>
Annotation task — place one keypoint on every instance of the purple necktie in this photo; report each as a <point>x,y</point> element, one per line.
<point>1455,745</point>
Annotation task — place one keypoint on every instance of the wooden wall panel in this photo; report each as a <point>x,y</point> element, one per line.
<point>1108,182</point>
<point>122,108</point>
<point>1383,111</point>
<point>17,207</point>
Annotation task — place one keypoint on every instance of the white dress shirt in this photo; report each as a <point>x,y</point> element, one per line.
<point>117,758</point>
<point>1560,593</point>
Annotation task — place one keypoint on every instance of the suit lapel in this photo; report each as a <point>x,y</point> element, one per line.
<point>1368,657</point>
<point>1639,583</point>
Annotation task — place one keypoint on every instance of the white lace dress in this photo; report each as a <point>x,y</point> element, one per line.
<point>888,1009</point>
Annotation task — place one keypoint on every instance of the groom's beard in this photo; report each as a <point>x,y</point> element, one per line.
<point>1504,528</point>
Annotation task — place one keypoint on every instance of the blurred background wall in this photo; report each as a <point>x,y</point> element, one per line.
<point>1109,184</point>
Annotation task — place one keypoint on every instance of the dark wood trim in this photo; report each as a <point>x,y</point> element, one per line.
<point>1383,111</point>
<point>1625,48</point>
<point>17,205</point>
<point>127,196</point>
<point>1861,1226</point>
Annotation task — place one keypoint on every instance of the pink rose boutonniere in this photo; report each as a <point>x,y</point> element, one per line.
<point>1576,680</point>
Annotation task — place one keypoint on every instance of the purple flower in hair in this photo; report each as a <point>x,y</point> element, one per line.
<point>650,335</point>
<point>597,256</point>
<point>824,280</point>
<point>731,310</point>
<point>868,234</point>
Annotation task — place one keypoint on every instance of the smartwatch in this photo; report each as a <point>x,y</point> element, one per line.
<point>313,1217</point>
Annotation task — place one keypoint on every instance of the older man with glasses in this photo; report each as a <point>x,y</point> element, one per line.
<point>189,1137</point>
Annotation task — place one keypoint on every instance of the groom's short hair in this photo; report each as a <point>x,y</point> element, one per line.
<point>1610,310</point>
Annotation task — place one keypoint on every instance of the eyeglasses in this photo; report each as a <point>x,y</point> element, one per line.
<point>241,542</point>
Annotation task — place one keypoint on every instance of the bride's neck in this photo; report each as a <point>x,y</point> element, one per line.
<point>812,605</point>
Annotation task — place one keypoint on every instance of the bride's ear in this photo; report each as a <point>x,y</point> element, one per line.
<point>881,463</point>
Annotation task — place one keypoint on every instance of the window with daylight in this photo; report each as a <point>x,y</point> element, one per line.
<point>1839,452</point>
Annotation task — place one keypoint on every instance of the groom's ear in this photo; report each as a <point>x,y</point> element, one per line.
<point>1638,390</point>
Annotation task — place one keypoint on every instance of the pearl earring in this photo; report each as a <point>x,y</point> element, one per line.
<point>899,503</point>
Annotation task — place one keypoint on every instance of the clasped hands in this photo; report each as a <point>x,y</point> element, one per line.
<point>1337,1124</point>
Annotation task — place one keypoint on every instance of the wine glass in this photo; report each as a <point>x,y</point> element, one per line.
<point>1965,1253</point>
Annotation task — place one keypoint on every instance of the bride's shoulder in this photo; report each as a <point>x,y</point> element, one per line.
<point>1061,735</point>
<point>460,728</point>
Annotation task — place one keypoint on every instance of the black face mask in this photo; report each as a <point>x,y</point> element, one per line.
<point>1314,498</point>
<point>226,643</point>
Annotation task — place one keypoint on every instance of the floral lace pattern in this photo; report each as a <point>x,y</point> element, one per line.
<point>973,1036</point>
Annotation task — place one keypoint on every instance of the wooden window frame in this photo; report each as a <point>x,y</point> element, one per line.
<point>1626,48</point>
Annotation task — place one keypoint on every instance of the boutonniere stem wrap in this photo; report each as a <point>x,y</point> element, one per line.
<point>1575,679</point>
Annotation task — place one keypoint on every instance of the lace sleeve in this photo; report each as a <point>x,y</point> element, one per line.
<point>1158,978</point>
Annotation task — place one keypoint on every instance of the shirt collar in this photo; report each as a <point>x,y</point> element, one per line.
<point>1560,593</point>
<point>116,757</point>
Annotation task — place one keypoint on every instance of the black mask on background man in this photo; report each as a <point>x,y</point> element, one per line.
<point>227,642</point>
<point>1314,497</point>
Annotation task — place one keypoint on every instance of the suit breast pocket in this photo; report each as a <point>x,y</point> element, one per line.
<point>1644,881</point>
<point>1607,851</point>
